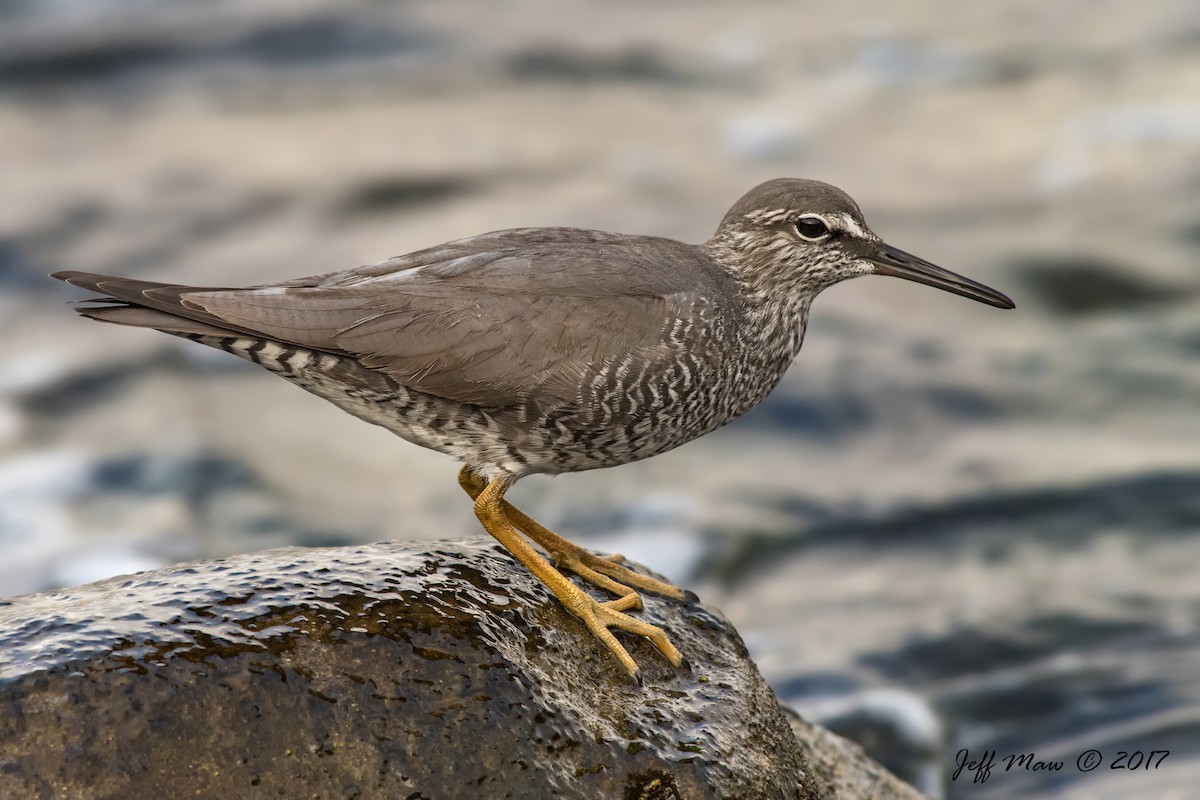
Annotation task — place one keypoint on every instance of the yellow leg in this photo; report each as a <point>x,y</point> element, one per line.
<point>604,572</point>
<point>599,617</point>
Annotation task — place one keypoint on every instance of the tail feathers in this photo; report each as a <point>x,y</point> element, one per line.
<point>147,304</point>
<point>116,286</point>
<point>165,307</point>
<point>140,317</point>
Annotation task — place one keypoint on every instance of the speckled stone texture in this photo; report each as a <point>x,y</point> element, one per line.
<point>386,670</point>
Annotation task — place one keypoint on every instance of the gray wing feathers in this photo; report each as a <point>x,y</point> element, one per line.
<point>488,320</point>
<point>479,347</point>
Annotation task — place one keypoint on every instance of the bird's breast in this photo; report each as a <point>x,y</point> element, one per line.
<point>649,401</point>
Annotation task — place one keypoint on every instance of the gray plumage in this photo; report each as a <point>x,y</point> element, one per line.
<point>546,350</point>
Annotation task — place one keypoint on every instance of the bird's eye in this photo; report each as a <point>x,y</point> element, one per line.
<point>812,228</point>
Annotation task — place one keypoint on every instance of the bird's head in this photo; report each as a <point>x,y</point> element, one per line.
<point>805,236</point>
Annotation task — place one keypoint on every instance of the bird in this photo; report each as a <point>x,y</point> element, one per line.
<point>551,350</point>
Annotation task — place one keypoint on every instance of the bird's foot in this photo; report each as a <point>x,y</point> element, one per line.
<point>601,618</point>
<point>499,517</point>
<point>608,573</point>
<point>603,572</point>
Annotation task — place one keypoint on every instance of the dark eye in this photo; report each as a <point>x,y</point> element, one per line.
<point>812,228</point>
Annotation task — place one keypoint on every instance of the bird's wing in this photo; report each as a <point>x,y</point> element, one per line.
<point>492,320</point>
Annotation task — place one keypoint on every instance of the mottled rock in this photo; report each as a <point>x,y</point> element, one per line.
<point>838,768</point>
<point>898,729</point>
<point>384,670</point>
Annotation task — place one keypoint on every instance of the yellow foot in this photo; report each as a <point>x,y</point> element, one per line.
<point>606,572</point>
<point>601,617</point>
<point>502,520</point>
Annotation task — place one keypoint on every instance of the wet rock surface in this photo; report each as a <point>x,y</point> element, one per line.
<point>383,670</point>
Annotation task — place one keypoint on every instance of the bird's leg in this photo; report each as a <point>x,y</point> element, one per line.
<point>604,572</point>
<point>599,617</point>
<point>474,485</point>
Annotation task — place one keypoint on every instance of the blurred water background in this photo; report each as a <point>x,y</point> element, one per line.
<point>950,527</point>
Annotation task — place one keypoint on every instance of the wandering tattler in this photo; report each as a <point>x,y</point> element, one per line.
<point>550,350</point>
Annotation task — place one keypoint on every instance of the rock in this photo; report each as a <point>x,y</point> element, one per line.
<point>842,768</point>
<point>385,670</point>
<point>898,729</point>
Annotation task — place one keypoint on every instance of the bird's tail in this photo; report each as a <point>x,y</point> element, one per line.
<point>146,304</point>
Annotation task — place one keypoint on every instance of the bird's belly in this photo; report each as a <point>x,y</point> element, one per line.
<point>605,435</point>
<point>464,432</point>
<point>628,423</point>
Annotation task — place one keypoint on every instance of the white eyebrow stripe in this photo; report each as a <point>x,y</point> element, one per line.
<point>850,225</point>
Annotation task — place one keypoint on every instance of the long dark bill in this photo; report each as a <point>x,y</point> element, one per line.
<point>899,264</point>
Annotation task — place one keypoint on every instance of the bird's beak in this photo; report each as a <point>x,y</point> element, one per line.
<point>887,260</point>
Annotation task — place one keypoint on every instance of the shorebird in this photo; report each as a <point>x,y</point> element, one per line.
<point>550,350</point>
